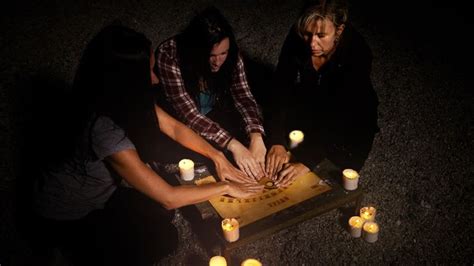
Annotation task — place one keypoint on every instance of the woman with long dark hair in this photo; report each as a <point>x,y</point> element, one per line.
<point>79,202</point>
<point>203,77</point>
<point>325,90</point>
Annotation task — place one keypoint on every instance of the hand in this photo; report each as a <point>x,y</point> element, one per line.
<point>243,190</point>
<point>276,158</point>
<point>258,150</point>
<point>226,171</point>
<point>289,172</point>
<point>245,160</point>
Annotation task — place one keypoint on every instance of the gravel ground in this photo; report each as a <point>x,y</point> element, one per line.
<point>418,174</point>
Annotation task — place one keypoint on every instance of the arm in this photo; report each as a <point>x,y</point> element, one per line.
<point>128,165</point>
<point>172,82</point>
<point>244,100</point>
<point>277,156</point>
<point>289,172</point>
<point>189,139</point>
<point>245,160</point>
<point>258,149</point>
<point>352,89</point>
<point>248,108</point>
<point>252,160</point>
<point>284,80</point>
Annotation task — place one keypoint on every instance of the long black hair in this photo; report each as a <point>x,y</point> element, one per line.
<point>194,45</point>
<point>113,80</point>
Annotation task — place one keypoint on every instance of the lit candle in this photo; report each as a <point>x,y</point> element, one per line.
<point>186,169</point>
<point>355,224</point>
<point>371,232</point>
<point>217,261</point>
<point>368,213</point>
<point>230,228</point>
<point>251,262</point>
<point>350,179</point>
<point>296,137</point>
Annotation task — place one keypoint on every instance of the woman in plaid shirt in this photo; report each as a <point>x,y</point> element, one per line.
<point>203,77</point>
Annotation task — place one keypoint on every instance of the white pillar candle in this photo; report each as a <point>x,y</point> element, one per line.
<point>371,231</point>
<point>217,261</point>
<point>368,213</point>
<point>251,262</point>
<point>355,225</point>
<point>230,229</point>
<point>186,169</point>
<point>296,137</point>
<point>350,179</point>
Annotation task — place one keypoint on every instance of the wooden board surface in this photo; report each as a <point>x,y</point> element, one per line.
<point>270,201</point>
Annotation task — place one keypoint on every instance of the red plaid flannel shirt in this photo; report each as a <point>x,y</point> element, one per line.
<point>171,80</point>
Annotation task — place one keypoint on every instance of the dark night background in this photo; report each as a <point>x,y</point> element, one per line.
<point>418,174</point>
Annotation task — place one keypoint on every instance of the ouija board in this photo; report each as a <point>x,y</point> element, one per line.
<point>271,200</point>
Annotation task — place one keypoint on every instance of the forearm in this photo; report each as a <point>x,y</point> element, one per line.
<point>201,124</point>
<point>245,102</point>
<point>256,143</point>
<point>178,196</point>
<point>185,136</point>
<point>183,103</point>
<point>234,145</point>
<point>191,140</point>
<point>191,194</point>
<point>254,137</point>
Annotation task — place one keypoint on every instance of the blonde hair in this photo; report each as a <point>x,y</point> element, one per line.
<point>334,11</point>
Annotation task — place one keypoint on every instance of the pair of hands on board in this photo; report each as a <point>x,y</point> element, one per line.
<point>276,165</point>
<point>279,168</point>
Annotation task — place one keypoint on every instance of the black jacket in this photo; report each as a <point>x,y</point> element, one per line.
<point>335,105</point>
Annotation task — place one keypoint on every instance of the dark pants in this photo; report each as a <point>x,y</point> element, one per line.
<point>131,230</point>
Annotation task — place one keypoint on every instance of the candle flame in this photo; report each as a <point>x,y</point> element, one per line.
<point>186,164</point>
<point>371,227</point>
<point>251,262</point>
<point>296,135</point>
<point>350,174</point>
<point>229,224</point>
<point>356,221</point>
<point>218,261</point>
<point>228,227</point>
<point>367,213</point>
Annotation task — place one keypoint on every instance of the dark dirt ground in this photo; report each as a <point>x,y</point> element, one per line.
<point>418,174</point>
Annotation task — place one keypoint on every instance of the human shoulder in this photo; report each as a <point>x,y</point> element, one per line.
<point>108,138</point>
<point>102,123</point>
<point>104,129</point>
<point>168,47</point>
